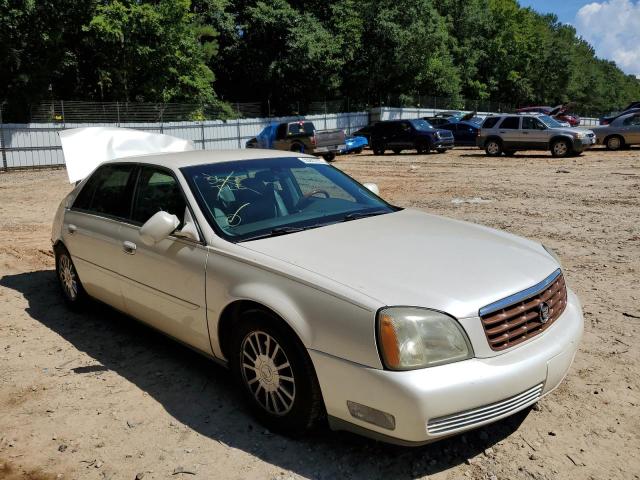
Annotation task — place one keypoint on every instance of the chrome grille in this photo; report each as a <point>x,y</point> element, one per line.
<point>476,416</point>
<point>519,317</point>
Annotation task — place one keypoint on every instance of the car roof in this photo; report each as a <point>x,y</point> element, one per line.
<point>204,157</point>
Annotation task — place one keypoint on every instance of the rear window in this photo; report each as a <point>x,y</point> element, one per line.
<point>108,191</point>
<point>490,122</point>
<point>511,123</point>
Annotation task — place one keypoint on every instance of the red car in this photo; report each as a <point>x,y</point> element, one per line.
<point>560,113</point>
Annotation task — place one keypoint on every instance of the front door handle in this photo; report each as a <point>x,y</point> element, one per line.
<point>129,247</point>
<point>71,228</point>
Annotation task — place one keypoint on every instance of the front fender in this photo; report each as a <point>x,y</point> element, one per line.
<point>322,320</point>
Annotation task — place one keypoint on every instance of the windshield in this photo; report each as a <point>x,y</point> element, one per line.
<point>549,122</point>
<point>421,125</point>
<point>249,199</point>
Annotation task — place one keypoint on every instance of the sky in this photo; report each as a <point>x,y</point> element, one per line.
<point>612,27</point>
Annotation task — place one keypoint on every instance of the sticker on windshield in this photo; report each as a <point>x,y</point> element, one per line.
<point>312,160</point>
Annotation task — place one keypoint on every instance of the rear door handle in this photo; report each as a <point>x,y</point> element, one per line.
<point>71,228</point>
<point>129,247</point>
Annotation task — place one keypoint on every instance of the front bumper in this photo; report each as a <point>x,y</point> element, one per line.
<point>433,403</point>
<point>443,143</point>
<point>579,145</point>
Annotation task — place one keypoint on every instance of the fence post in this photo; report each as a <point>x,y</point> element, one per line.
<point>238,126</point>
<point>202,133</point>
<point>4,153</point>
<point>118,112</point>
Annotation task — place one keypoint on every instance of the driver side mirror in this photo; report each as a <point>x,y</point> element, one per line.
<point>158,227</point>
<point>372,187</point>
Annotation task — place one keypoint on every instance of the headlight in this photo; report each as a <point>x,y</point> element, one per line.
<point>412,338</point>
<point>438,135</point>
<point>581,135</point>
<point>552,253</point>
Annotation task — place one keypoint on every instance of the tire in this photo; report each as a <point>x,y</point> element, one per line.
<point>423,148</point>
<point>72,290</point>
<point>614,142</point>
<point>493,148</point>
<point>378,149</point>
<point>441,150</point>
<point>297,147</point>
<point>397,151</point>
<point>561,148</point>
<point>294,402</point>
<point>329,157</point>
<point>357,151</point>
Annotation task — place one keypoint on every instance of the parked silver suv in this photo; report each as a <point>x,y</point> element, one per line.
<point>508,133</point>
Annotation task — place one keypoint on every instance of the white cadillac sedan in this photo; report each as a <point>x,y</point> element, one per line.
<point>324,300</point>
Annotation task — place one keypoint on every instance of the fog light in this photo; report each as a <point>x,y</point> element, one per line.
<point>371,415</point>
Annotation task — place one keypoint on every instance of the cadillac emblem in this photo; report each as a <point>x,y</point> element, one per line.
<point>543,312</point>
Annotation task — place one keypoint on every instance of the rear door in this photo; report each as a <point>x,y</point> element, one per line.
<point>164,284</point>
<point>632,129</point>
<point>509,130</point>
<point>91,230</point>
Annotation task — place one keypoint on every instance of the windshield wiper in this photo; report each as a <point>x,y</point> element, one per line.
<point>358,215</point>
<point>275,232</point>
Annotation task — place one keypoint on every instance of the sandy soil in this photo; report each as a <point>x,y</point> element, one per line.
<point>98,396</point>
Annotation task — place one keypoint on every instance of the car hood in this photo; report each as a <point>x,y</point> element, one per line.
<point>572,130</point>
<point>414,258</point>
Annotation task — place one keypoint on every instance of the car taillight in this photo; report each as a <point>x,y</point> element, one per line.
<point>313,140</point>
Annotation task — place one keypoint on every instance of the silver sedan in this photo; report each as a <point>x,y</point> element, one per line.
<point>325,301</point>
<point>621,132</point>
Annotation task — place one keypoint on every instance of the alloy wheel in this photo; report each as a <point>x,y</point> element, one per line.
<point>493,148</point>
<point>267,373</point>
<point>68,277</point>
<point>560,149</point>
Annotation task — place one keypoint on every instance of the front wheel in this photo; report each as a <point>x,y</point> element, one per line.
<point>72,290</point>
<point>614,143</point>
<point>329,157</point>
<point>275,373</point>
<point>442,150</point>
<point>560,148</point>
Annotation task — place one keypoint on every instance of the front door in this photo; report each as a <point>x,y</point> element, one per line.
<point>164,284</point>
<point>534,133</point>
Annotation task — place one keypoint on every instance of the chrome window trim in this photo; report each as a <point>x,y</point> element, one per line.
<point>520,296</point>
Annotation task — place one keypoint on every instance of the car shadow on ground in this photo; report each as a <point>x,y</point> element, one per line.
<point>200,394</point>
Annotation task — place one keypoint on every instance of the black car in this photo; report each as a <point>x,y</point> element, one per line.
<point>416,134</point>
<point>364,132</point>
<point>464,132</point>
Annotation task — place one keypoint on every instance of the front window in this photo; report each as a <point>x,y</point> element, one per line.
<point>250,199</point>
<point>421,125</point>
<point>549,122</point>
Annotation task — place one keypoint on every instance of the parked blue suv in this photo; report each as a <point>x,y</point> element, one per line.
<point>417,134</point>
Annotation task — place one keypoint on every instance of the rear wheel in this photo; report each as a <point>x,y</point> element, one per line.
<point>329,157</point>
<point>297,147</point>
<point>493,148</point>
<point>560,148</point>
<point>275,373</point>
<point>397,151</point>
<point>378,149</point>
<point>615,142</point>
<point>357,151</point>
<point>442,150</point>
<point>72,290</point>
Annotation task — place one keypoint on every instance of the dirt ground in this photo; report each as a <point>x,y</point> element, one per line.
<point>98,396</point>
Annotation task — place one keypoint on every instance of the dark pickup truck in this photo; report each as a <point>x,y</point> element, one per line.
<point>300,136</point>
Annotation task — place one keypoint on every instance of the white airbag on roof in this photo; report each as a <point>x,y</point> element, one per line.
<point>86,148</point>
